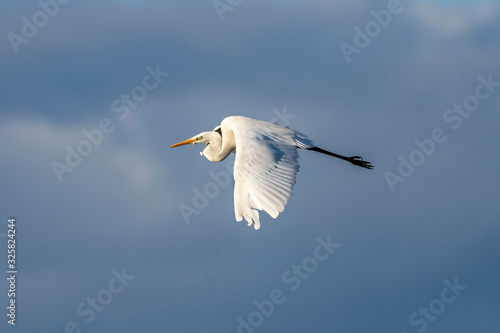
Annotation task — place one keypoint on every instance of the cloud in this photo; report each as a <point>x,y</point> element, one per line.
<point>119,207</point>
<point>454,20</point>
<point>34,145</point>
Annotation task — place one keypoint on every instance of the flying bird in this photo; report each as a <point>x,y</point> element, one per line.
<point>266,162</point>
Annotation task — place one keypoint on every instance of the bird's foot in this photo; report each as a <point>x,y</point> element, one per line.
<point>358,160</point>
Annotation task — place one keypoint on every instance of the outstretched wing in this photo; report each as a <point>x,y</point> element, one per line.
<point>265,168</point>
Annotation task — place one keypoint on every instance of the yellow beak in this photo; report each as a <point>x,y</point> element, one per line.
<point>185,142</point>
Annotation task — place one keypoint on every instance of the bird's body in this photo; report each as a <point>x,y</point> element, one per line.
<point>266,162</point>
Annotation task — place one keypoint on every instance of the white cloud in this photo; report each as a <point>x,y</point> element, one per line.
<point>115,172</point>
<point>139,169</point>
<point>454,20</point>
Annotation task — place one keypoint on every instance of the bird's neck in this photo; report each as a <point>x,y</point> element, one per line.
<point>217,151</point>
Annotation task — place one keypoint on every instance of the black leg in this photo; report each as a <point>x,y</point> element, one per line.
<point>356,160</point>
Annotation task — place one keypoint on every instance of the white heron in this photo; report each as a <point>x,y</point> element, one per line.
<point>266,162</point>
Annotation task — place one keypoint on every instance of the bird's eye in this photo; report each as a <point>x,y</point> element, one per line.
<point>199,138</point>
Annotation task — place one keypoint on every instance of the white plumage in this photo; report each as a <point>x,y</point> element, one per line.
<point>265,167</point>
<point>266,162</point>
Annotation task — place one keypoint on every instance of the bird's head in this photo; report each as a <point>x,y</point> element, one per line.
<point>204,137</point>
<point>213,144</point>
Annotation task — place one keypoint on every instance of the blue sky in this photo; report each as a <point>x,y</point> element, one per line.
<point>112,230</point>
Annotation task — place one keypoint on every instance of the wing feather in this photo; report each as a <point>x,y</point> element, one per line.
<point>265,167</point>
